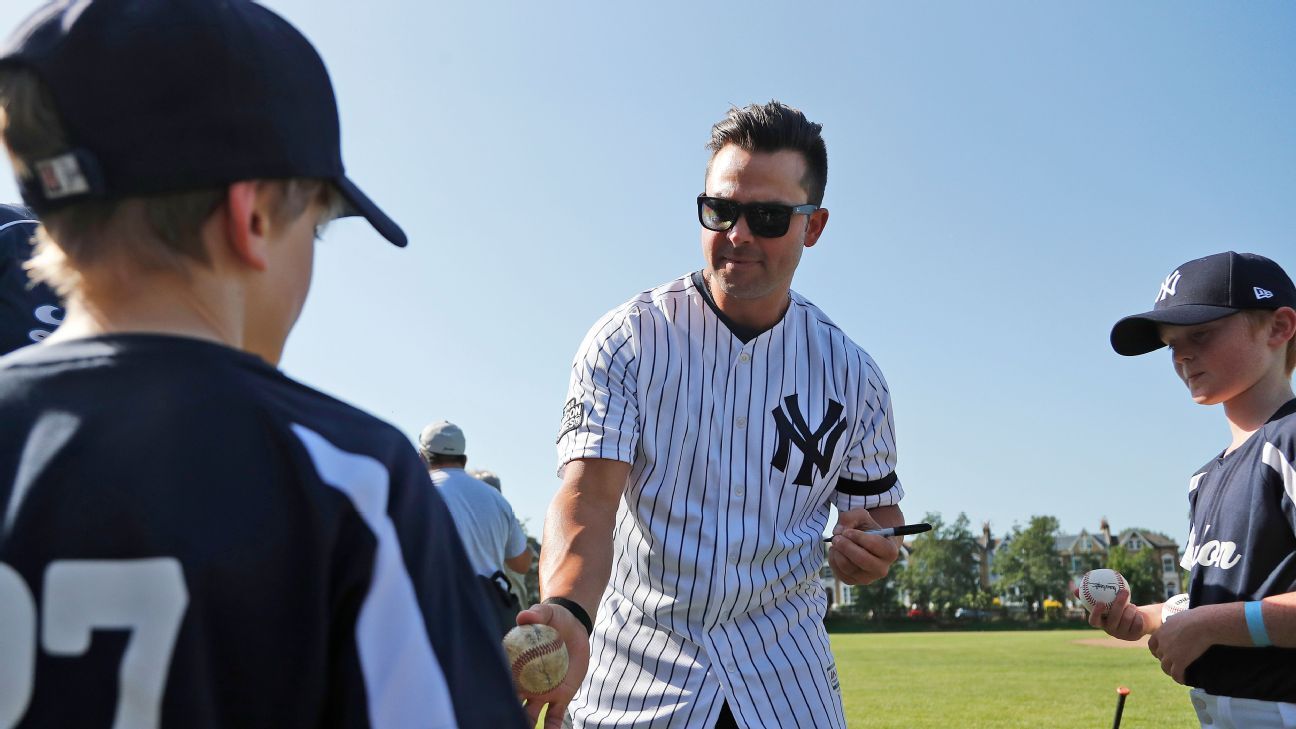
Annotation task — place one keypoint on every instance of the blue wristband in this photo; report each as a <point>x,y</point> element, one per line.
<point>1256,626</point>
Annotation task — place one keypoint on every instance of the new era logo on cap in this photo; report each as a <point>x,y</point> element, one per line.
<point>1262,293</point>
<point>61,176</point>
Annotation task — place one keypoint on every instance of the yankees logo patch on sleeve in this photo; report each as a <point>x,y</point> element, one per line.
<point>572,416</point>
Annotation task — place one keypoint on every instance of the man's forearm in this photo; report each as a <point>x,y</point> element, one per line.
<point>576,556</point>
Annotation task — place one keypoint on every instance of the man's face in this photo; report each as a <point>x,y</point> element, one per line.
<point>744,266</point>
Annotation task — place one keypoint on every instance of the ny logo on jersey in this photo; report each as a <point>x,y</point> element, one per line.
<point>1168,285</point>
<point>793,430</point>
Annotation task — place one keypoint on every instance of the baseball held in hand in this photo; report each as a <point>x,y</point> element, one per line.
<point>537,658</point>
<point>1099,587</point>
<point>1174,606</point>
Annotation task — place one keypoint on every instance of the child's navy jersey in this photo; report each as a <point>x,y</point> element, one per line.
<point>1241,547</point>
<point>191,539</point>
<point>28,313</point>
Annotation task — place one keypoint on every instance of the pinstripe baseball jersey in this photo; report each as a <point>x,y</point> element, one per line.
<point>738,442</point>
<point>192,539</point>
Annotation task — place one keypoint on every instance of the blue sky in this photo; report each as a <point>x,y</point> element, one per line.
<point>1006,180</point>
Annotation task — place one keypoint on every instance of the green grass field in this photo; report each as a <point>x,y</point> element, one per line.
<point>998,680</point>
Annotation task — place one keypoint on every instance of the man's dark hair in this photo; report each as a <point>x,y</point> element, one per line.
<point>439,460</point>
<point>774,127</point>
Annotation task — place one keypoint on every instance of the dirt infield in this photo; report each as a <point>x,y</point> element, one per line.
<point>1109,642</point>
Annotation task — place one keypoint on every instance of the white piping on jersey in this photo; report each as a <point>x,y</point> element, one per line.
<point>12,223</point>
<point>403,679</point>
<point>1195,481</point>
<point>1274,458</point>
<point>52,432</point>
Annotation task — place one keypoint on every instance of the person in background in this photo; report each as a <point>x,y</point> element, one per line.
<point>489,530</point>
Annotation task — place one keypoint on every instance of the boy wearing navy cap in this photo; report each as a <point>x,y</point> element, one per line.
<point>189,538</point>
<point>1230,324</point>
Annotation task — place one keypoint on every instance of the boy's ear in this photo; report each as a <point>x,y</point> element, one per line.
<point>245,224</point>
<point>1283,326</point>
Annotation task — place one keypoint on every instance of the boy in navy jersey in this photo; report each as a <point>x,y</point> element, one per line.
<point>189,538</point>
<point>1229,322</point>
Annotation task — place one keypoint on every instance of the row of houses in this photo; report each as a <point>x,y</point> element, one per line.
<point>1079,552</point>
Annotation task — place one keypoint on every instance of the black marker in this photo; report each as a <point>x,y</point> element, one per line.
<point>898,531</point>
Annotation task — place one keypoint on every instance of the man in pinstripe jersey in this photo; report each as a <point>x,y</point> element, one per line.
<point>710,425</point>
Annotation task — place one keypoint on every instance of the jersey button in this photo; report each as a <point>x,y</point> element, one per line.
<point>741,422</point>
<point>744,358</point>
<point>738,491</point>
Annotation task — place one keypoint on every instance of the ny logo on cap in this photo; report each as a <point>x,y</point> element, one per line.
<point>1262,293</point>
<point>1168,285</point>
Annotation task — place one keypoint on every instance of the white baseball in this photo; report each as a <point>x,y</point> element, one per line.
<point>1099,587</point>
<point>1174,606</point>
<point>537,658</point>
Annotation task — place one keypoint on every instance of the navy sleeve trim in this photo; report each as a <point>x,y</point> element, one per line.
<point>867,488</point>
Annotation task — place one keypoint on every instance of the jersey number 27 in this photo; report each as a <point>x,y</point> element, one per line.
<point>145,596</point>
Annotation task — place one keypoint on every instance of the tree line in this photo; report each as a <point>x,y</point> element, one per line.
<point>943,573</point>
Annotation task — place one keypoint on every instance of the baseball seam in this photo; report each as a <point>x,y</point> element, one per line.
<point>532,653</point>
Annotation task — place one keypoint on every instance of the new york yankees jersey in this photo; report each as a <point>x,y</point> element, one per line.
<point>1242,547</point>
<point>737,450</point>
<point>28,312</point>
<point>192,539</point>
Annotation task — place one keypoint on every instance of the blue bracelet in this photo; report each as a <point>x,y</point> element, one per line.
<point>1256,626</point>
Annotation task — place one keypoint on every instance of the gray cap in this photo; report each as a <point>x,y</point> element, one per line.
<point>442,438</point>
<point>487,477</point>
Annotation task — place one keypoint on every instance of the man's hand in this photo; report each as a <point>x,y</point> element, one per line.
<point>577,641</point>
<point>857,558</point>
<point>1120,619</point>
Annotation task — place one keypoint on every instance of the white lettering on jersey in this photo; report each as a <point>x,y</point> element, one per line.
<point>47,314</point>
<point>1213,553</point>
<point>51,315</point>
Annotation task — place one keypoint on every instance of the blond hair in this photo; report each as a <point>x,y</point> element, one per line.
<point>153,232</point>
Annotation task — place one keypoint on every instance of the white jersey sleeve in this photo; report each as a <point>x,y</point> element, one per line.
<point>868,478</point>
<point>601,416</point>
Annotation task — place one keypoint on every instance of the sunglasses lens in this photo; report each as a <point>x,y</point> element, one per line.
<point>717,214</point>
<point>768,221</point>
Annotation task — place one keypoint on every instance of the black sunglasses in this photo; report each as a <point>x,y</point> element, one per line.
<point>767,220</point>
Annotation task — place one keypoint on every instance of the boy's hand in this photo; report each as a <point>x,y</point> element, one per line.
<point>1120,619</point>
<point>1180,641</point>
<point>577,641</point>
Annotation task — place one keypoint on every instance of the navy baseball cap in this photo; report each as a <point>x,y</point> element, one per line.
<point>165,96</point>
<point>1202,290</point>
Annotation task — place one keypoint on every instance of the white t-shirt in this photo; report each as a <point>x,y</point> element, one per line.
<point>484,518</point>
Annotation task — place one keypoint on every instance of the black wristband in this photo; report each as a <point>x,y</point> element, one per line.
<point>575,609</point>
